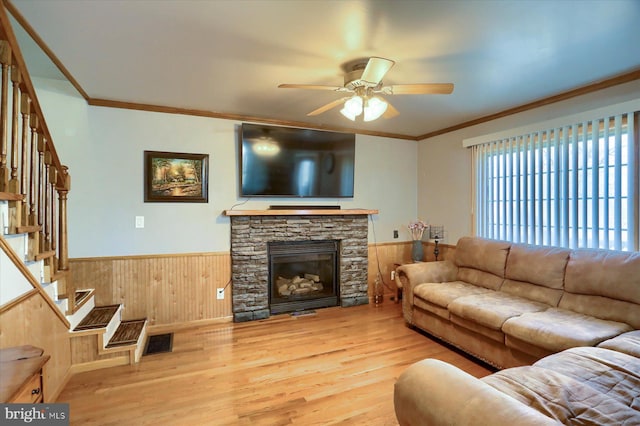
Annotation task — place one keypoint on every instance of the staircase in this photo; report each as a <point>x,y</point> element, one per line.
<point>99,336</point>
<point>34,185</point>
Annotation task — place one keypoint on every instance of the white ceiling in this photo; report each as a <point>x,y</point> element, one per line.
<point>228,57</point>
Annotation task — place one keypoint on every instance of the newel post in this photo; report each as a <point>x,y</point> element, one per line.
<point>63,247</point>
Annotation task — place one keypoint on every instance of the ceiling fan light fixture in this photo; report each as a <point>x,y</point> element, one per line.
<point>374,108</point>
<point>344,111</point>
<point>354,105</point>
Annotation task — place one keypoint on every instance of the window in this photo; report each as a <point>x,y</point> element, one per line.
<point>571,186</point>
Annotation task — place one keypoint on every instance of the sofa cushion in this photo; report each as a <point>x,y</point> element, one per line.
<point>543,266</point>
<point>558,329</point>
<point>602,307</point>
<point>536,273</point>
<point>483,255</point>
<point>441,294</point>
<point>492,309</point>
<point>431,307</point>
<point>628,343</point>
<point>587,386</point>
<point>606,273</point>
<point>479,278</point>
<point>604,284</point>
<point>538,293</point>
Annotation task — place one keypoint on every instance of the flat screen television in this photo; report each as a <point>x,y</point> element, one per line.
<point>292,162</point>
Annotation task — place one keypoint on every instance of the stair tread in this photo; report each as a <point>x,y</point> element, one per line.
<point>81,294</point>
<point>99,317</point>
<point>127,333</point>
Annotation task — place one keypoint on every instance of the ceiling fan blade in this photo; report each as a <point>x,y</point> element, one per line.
<point>313,87</point>
<point>327,107</point>
<point>419,89</point>
<point>376,69</point>
<point>391,111</point>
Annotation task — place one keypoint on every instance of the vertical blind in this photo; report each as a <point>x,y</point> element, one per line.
<point>571,186</point>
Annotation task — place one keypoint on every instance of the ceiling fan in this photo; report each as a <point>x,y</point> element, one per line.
<point>363,81</point>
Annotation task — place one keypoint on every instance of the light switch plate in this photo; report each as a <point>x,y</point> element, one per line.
<point>220,294</point>
<point>139,221</point>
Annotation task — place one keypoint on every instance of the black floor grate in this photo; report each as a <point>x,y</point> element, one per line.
<point>303,313</point>
<point>159,343</point>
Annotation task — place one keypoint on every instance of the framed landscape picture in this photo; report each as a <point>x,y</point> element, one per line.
<point>171,177</point>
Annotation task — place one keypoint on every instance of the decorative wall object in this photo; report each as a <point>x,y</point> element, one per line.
<point>175,177</point>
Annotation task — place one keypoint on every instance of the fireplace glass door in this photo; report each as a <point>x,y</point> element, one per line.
<point>303,275</point>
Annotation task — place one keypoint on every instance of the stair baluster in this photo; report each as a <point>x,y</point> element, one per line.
<point>5,60</point>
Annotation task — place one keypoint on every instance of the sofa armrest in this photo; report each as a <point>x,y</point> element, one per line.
<point>413,274</point>
<point>410,275</point>
<point>432,392</point>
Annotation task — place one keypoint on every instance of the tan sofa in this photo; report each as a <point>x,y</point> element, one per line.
<point>573,314</point>
<point>512,304</point>
<point>579,386</point>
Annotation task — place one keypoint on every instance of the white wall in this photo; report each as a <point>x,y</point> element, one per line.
<point>103,148</point>
<point>444,166</point>
<point>12,282</point>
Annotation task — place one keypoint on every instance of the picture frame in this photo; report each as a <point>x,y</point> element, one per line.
<point>173,177</point>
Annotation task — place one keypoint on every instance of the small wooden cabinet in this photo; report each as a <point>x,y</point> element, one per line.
<point>21,371</point>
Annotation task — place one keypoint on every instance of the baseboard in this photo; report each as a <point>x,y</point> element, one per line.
<point>99,364</point>
<point>165,328</point>
<point>53,397</point>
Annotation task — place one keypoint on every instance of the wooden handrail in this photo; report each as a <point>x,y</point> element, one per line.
<point>6,33</point>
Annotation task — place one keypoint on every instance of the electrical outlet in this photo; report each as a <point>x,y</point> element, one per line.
<point>395,233</point>
<point>220,294</point>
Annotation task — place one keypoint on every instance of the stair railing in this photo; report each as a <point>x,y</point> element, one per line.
<point>31,174</point>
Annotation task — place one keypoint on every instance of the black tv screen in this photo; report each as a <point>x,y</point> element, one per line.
<point>291,162</point>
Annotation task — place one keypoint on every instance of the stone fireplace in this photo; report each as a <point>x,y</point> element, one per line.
<point>252,233</point>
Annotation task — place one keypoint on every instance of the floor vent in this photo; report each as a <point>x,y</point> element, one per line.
<point>304,313</point>
<point>159,343</point>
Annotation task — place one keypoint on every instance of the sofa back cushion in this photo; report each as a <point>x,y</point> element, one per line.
<point>481,261</point>
<point>604,284</point>
<point>536,272</point>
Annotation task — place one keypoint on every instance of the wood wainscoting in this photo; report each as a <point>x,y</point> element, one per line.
<point>165,289</point>
<point>33,322</point>
<point>179,289</point>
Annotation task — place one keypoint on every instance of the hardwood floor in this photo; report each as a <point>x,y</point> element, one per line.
<point>335,367</point>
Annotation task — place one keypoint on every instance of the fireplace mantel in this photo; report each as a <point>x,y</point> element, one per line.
<point>310,212</point>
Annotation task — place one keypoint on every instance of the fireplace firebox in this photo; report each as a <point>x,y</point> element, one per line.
<point>303,275</point>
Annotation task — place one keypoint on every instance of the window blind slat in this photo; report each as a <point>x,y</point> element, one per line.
<point>538,197</point>
<point>633,203</point>
<point>584,188</point>
<point>530,205</point>
<point>516,189</point>
<point>606,222</point>
<point>595,184</point>
<point>554,189</point>
<point>565,188</point>
<point>617,211</point>
<point>573,221</point>
<point>496,194</point>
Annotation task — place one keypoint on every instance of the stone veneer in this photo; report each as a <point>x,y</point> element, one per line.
<point>250,265</point>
